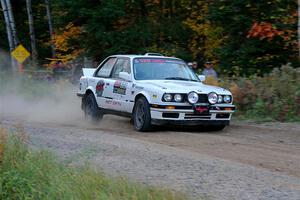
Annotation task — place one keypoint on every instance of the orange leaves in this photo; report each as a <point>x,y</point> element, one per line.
<point>264,30</point>
<point>66,42</point>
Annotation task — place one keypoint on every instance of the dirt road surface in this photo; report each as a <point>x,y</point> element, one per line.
<point>245,161</point>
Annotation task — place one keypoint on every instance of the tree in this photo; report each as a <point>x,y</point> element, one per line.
<point>259,35</point>
<point>12,23</point>
<point>49,17</point>
<point>205,37</point>
<point>126,26</point>
<point>31,31</point>
<point>9,31</point>
<point>7,24</point>
<point>298,29</point>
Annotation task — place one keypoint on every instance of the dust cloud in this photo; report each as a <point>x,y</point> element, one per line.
<point>26,99</point>
<point>59,106</point>
<point>32,98</point>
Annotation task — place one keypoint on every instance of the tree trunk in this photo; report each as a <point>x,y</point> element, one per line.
<point>47,3</point>
<point>299,29</point>
<point>12,23</point>
<point>9,32</point>
<point>31,32</point>
<point>7,25</point>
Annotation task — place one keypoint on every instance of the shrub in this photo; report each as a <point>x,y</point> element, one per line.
<point>274,96</point>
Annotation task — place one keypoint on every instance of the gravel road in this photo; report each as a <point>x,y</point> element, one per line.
<point>245,161</point>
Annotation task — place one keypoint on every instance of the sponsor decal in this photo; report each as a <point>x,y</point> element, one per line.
<point>154,96</point>
<point>201,109</point>
<point>142,60</point>
<point>120,87</point>
<point>112,102</point>
<point>156,60</point>
<point>100,88</point>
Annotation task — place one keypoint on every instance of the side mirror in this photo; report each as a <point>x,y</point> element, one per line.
<point>125,76</point>
<point>201,77</point>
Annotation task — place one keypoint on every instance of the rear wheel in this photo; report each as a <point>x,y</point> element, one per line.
<point>92,113</point>
<point>141,115</point>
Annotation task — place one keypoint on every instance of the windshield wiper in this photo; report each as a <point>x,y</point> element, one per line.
<point>180,78</point>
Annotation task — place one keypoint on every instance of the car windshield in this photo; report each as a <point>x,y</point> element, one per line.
<point>162,69</point>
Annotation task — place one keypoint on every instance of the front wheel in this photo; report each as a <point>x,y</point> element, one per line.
<point>91,111</point>
<point>141,115</point>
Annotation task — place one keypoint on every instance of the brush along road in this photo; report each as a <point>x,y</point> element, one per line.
<point>245,161</point>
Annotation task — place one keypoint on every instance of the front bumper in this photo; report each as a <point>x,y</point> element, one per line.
<point>217,115</point>
<point>190,122</point>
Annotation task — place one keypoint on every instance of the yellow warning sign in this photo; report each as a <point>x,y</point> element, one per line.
<point>20,53</point>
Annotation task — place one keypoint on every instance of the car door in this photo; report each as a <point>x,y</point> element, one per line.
<point>121,87</point>
<point>103,84</point>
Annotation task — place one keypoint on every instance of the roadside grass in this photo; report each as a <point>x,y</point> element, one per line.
<point>27,174</point>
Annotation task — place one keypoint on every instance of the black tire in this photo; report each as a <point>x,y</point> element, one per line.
<point>92,112</point>
<point>141,115</point>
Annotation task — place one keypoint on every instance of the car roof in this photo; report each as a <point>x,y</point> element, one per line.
<point>132,56</point>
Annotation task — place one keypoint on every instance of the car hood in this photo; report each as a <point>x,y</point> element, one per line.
<point>174,86</point>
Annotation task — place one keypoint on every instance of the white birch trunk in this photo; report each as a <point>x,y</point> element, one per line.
<point>31,32</point>
<point>47,4</point>
<point>12,23</point>
<point>7,25</point>
<point>9,33</point>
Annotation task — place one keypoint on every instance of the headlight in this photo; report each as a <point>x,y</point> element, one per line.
<point>227,98</point>
<point>193,97</point>
<point>167,97</point>
<point>212,98</point>
<point>220,99</point>
<point>178,97</point>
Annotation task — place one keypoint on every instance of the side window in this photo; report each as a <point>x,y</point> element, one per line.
<point>106,68</point>
<point>122,65</point>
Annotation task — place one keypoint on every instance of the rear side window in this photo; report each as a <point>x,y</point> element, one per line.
<point>122,65</point>
<point>106,68</point>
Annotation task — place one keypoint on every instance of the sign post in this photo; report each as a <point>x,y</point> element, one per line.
<point>20,54</point>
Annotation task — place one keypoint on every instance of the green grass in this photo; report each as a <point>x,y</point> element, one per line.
<point>27,174</point>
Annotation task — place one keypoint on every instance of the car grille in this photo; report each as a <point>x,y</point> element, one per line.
<point>203,98</point>
<point>197,116</point>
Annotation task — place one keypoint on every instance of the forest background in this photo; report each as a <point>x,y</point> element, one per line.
<point>253,44</point>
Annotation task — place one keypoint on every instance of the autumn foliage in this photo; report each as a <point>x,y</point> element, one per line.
<point>264,30</point>
<point>66,42</point>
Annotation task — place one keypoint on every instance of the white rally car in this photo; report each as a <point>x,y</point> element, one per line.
<point>153,90</point>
